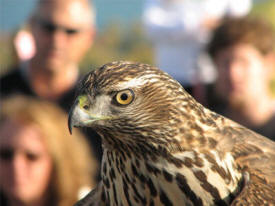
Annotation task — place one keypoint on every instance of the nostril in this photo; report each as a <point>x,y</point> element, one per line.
<point>86,107</point>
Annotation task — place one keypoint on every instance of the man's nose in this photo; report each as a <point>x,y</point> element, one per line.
<point>59,38</point>
<point>235,72</point>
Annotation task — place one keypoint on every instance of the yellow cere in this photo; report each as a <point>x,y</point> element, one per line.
<point>83,100</point>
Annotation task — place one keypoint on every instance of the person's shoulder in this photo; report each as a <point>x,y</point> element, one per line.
<point>3,201</point>
<point>267,129</point>
<point>13,73</point>
<point>13,82</point>
<point>67,99</point>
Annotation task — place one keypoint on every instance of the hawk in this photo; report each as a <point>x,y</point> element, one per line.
<point>161,147</point>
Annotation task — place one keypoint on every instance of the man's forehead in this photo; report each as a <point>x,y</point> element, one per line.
<point>71,13</point>
<point>238,49</point>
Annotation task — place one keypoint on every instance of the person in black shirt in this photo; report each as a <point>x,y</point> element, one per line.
<point>63,30</point>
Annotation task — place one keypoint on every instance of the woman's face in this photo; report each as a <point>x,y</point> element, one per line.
<point>25,164</point>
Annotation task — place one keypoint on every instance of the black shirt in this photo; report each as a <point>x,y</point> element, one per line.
<point>16,83</point>
<point>219,106</point>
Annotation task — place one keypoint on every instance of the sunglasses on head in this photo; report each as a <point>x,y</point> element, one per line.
<point>51,27</point>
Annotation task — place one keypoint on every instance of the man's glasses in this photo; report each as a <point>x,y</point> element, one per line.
<point>51,27</point>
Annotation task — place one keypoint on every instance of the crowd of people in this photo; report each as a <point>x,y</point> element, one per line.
<point>62,32</point>
<point>40,162</point>
<point>221,56</point>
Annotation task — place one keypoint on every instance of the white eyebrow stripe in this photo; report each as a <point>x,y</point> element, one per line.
<point>137,82</point>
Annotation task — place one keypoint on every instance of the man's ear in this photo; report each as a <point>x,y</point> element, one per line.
<point>270,63</point>
<point>91,36</point>
<point>32,19</point>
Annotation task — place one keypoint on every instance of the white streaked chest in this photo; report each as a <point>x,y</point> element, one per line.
<point>188,179</point>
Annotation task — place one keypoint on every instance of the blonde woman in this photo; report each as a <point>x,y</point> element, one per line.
<point>40,162</point>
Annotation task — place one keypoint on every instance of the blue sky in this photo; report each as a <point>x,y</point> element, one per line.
<point>14,12</point>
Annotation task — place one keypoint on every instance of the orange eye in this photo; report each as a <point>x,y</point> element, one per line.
<point>124,97</point>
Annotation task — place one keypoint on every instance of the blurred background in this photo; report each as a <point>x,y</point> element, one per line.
<point>120,33</point>
<point>171,34</point>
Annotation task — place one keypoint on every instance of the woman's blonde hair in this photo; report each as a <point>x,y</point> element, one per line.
<point>74,166</point>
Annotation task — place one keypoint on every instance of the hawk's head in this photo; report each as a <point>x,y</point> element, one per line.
<point>130,101</point>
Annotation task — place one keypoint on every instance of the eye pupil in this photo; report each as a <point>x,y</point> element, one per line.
<point>124,96</point>
<point>86,107</point>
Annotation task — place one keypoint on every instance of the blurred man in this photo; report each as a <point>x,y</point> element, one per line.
<point>243,51</point>
<point>63,30</point>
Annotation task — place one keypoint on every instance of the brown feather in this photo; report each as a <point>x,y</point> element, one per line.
<point>166,148</point>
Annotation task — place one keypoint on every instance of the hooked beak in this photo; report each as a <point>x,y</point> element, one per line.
<point>80,117</point>
<point>74,116</point>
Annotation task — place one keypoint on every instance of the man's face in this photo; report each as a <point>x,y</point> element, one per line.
<point>243,74</point>
<point>62,34</point>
